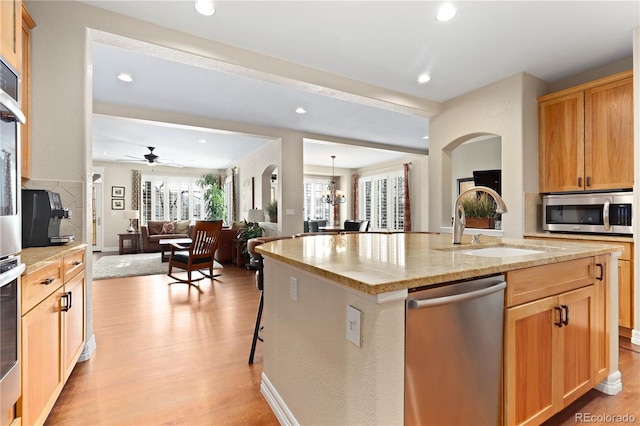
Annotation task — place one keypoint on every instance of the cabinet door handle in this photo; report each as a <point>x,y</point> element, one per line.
<point>68,301</point>
<point>565,321</point>
<point>600,266</point>
<point>588,181</point>
<point>579,181</point>
<point>559,323</point>
<point>48,280</point>
<point>65,306</point>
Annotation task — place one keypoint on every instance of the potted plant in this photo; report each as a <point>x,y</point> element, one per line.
<point>272,211</point>
<point>213,196</point>
<point>251,230</point>
<point>479,210</point>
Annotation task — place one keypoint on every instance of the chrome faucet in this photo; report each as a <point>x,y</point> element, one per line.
<point>459,219</point>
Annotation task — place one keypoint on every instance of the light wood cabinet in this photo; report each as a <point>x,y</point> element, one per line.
<point>626,305</point>
<point>555,346</point>
<point>586,136</point>
<point>52,332</point>
<point>11,32</point>
<point>25,99</point>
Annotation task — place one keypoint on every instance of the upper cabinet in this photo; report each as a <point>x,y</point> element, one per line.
<point>586,136</point>
<point>11,32</point>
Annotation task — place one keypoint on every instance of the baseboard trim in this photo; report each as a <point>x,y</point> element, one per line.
<point>635,337</point>
<point>89,349</point>
<point>612,385</point>
<point>279,408</point>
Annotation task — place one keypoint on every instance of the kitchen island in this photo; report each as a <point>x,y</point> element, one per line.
<point>313,374</point>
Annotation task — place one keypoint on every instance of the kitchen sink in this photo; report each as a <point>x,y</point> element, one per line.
<point>499,252</point>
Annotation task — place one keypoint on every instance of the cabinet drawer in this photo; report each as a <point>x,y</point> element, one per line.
<point>526,285</point>
<point>73,264</point>
<point>39,284</point>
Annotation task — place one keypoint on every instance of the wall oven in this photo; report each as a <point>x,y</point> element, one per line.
<point>10,239</point>
<point>10,271</point>
<point>10,117</point>
<point>589,213</point>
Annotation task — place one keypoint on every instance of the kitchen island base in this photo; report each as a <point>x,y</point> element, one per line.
<point>561,295</point>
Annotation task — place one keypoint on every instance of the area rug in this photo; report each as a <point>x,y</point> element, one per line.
<point>131,265</point>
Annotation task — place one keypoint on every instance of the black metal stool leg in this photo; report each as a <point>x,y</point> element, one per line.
<point>256,331</point>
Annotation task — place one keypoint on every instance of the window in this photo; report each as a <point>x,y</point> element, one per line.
<point>170,198</point>
<point>382,201</point>
<point>314,208</point>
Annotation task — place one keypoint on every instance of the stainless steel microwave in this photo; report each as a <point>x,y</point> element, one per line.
<point>589,213</point>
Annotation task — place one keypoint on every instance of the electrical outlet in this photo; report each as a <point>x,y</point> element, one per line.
<point>293,289</point>
<point>353,325</point>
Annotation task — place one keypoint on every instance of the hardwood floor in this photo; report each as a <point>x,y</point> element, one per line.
<point>168,354</point>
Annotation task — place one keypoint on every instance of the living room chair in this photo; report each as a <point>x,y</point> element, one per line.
<point>199,254</point>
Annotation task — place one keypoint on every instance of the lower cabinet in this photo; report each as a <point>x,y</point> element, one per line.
<point>41,379</point>
<point>556,346</point>
<point>52,333</point>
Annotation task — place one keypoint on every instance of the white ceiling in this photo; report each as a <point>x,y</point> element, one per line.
<point>384,43</point>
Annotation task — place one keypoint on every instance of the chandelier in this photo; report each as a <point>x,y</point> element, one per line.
<point>333,195</point>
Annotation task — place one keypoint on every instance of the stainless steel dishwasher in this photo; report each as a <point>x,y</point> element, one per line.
<point>453,353</point>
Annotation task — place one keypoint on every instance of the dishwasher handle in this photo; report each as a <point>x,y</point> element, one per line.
<point>461,297</point>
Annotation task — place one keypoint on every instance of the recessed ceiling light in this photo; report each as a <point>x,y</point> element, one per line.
<point>423,78</point>
<point>425,137</point>
<point>123,76</point>
<point>301,110</point>
<point>205,7</point>
<point>202,141</point>
<point>446,12</point>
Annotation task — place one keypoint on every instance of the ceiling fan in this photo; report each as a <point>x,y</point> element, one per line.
<point>152,159</point>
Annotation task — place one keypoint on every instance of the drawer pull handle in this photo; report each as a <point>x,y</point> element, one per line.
<point>560,322</point>
<point>76,262</point>
<point>48,280</point>
<point>565,321</point>
<point>600,266</point>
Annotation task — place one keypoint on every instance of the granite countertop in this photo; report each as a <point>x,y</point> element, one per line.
<point>590,237</point>
<point>377,263</point>
<point>36,257</point>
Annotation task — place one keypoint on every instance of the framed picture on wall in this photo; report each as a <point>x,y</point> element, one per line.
<point>464,184</point>
<point>117,191</point>
<point>117,204</point>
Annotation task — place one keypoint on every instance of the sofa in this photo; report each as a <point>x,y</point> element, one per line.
<point>156,230</point>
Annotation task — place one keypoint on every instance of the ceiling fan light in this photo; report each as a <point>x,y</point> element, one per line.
<point>205,7</point>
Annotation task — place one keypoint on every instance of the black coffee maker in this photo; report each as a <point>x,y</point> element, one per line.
<point>42,213</point>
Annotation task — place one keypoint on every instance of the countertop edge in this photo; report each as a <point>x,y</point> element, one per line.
<point>416,282</point>
<point>35,258</point>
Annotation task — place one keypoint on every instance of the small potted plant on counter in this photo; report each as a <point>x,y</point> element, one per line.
<point>479,210</point>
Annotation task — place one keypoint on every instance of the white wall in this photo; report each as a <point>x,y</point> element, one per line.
<point>507,109</point>
<point>305,344</point>
<point>481,155</point>
<point>635,337</point>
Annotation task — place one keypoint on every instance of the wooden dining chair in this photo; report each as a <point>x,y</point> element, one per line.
<point>199,254</point>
